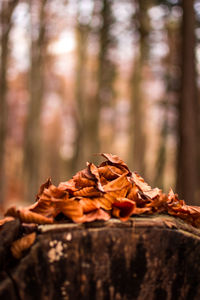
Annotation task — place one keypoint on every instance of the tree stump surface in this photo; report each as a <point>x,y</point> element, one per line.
<point>144,258</point>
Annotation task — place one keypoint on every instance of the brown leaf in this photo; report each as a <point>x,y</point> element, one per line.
<point>98,214</point>
<point>172,198</point>
<point>47,208</point>
<point>12,211</point>
<point>71,209</point>
<point>28,216</point>
<point>84,178</point>
<point>144,187</point>
<point>126,207</point>
<point>113,190</point>
<point>103,180</point>
<point>117,184</point>
<point>68,186</point>
<point>105,202</point>
<point>95,172</point>
<point>114,159</point>
<point>45,185</point>
<point>110,172</point>
<point>22,244</point>
<point>55,192</point>
<point>89,205</point>
<point>87,192</point>
<point>133,193</point>
<point>5,220</point>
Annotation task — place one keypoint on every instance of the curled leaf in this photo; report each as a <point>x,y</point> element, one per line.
<point>144,187</point>
<point>45,185</point>
<point>114,159</point>
<point>5,220</point>
<point>20,245</point>
<point>126,208</point>
<point>28,216</point>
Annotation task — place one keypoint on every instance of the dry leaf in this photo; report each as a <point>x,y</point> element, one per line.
<point>68,186</point>
<point>45,185</point>
<point>87,192</point>
<point>22,244</point>
<point>114,159</point>
<point>144,187</point>
<point>95,192</point>
<point>126,208</point>
<point>89,205</point>
<point>71,209</point>
<point>5,220</point>
<point>110,172</point>
<point>98,214</point>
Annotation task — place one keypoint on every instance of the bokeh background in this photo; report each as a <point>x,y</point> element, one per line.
<point>80,77</point>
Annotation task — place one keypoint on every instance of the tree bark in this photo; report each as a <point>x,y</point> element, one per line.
<point>6,11</point>
<point>143,258</point>
<point>82,32</point>
<point>105,78</point>
<point>137,112</point>
<point>187,170</point>
<point>32,147</point>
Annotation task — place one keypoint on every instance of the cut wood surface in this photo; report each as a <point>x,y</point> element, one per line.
<point>154,257</point>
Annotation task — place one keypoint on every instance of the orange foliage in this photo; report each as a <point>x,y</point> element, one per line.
<point>99,193</point>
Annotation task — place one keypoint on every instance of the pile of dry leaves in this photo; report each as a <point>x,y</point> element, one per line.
<point>99,193</point>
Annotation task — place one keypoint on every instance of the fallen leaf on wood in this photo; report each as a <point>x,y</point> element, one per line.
<point>5,220</point>
<point>71,209</point>
<point>24,243</point>
<point>126,208</point>
<point>99,192</point>
<point>98,214</point>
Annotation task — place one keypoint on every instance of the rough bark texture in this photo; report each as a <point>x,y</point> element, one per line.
<point>6,11</point>
<point>32,137</point>
<point>144,258</point>
<point>187,172</point>
<point>137,112</point>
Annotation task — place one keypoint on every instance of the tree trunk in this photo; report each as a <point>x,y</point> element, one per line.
<point>6,11</point>
<point>168,104</point>
<point>82,32</point>
<point>137,112</point>
<point>105,79</point>
<point>143,258</point>
<point>36,86</point>
<point>187,170</point>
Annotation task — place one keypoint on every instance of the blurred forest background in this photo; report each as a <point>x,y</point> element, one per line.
<point>79,77</point>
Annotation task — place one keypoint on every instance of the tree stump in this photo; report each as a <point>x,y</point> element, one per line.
<point>144,258</point>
